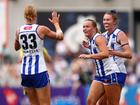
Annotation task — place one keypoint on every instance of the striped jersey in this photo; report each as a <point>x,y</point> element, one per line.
<point>105,66</point>
<point>32,45</point>
<point>114,45</point>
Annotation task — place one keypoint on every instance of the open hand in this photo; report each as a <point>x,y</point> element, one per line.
<point>85,44</point>
<point>55,17</point>
<point>85,56</point>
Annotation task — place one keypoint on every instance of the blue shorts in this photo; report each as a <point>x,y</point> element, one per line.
<point>35,81</point>
<point>114,78</point>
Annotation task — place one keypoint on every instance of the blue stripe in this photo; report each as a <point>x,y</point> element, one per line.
<point>95,51</point>
<point>97,67</point>
<point>24,64</point>
<point>102,67</point>
<point>108,37</point>
<point>30,65</point>
<point>112,44</point>
<point>114,77</point>
<point>101,64</point>
<point>37,64</point>
<point>90,46</point>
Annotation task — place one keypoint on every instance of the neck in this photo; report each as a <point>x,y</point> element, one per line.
<point>30,22</point>
<point>90,37</point>
<point>111,30</point>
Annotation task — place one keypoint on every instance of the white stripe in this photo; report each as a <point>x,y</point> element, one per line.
<point>33,67</point>
<point>26,68</point>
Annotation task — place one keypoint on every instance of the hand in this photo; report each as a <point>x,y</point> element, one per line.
<point>85,44</point>
<point>85,56</point>
<point>55,17</point>
<point>111,52</point>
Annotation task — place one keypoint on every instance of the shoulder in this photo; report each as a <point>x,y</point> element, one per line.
<point>100,38</point>
<point>122,37</point>
<point>42,30</point>
<point>121,34</point>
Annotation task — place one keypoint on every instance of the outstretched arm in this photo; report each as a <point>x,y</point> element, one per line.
<point>46,32</point>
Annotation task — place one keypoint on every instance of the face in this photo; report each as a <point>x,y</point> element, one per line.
<point>88,29</point>
<point>108,22</point>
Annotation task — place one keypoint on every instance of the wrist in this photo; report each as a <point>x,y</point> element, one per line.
<point>59,34</point>
<point>56,24</point>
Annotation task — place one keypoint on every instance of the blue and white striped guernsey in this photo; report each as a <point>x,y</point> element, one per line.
<point>113,44</point>
<point>105,66</point>
<point>32,45</point>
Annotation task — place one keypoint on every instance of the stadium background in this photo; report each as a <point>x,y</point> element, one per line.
<point>70,78</point>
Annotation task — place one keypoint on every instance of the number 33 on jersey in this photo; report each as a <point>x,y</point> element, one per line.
<point>29,39</point>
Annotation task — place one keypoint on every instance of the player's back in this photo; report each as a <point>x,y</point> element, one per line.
<point>32,45</point>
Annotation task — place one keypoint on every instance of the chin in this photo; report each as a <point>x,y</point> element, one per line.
<point>106,28</point>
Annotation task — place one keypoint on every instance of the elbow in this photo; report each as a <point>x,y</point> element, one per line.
<point>130,56</point>
<point>60,37</point>
<point>17,45</point>
<point>17,48</point>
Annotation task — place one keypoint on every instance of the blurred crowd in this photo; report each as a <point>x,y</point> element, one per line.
<point>65,69</point>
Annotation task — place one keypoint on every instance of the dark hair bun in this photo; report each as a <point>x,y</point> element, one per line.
<point>113,11</point>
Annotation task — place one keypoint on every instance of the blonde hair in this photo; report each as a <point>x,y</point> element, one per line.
<point>30,12</point>
<point>94,24</point>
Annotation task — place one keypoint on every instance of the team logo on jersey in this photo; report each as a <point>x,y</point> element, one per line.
<point>28,28</point>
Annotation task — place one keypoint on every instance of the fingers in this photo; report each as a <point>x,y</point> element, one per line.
<point>84,41</point>
<point>55,17</point>
<point>58,16</point>
<point>85,44</point>
<point>54,13</point>
<point>50,20</point>
<point>83,56</point>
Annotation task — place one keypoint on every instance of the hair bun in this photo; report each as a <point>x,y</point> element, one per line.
<point>113,11</point>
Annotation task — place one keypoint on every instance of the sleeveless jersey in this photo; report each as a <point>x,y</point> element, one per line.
<point>114,45</point>
<point>105,66</point>
<point>32,45</point>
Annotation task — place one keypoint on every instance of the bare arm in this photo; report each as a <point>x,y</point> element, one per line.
<point>104,53</point>
<point>46,32</point>
<point>16,44</point>
<point>123,40</point>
